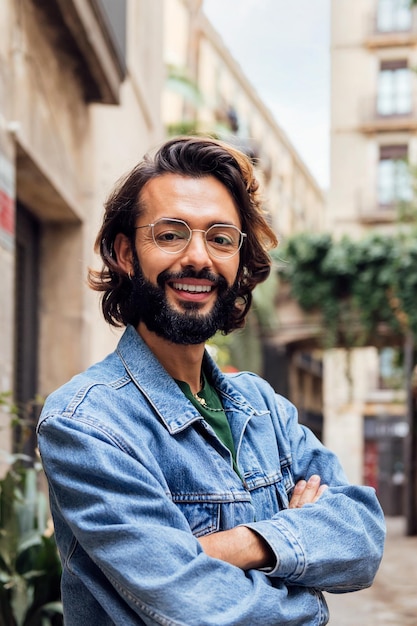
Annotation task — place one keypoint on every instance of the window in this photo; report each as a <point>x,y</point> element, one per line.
<point>394,88</point>
<point>115,13</point>
<point>394,180</point>
<point>393,15</point>
<point>391,369</point>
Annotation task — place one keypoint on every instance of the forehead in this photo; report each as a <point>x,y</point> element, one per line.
<point>193,199</point>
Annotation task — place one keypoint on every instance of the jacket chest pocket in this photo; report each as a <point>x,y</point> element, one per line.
<point>215,513</point>
<point>202,517</point>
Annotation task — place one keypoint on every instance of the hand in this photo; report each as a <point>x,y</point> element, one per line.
<point>307,492</point>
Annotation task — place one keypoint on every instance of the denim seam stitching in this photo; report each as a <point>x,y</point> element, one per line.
<point>160,619</point>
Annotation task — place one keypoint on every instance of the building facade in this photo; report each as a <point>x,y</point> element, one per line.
<point>79,104</point>
<point>373,144</point>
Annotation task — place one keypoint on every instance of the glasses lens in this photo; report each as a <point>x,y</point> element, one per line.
<point>223,240</point>
<point>171,235</point>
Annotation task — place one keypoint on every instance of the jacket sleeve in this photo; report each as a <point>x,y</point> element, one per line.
<point>335,544</point>
<point>113,512</point>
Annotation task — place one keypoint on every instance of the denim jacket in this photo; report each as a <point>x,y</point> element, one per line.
<point>136,475</point>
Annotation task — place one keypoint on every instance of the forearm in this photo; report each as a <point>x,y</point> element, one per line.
<point>245,548</point>
<point>239,546</point>
<point>335,547</point>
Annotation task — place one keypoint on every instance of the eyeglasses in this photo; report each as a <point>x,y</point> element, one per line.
<point>172,236</point>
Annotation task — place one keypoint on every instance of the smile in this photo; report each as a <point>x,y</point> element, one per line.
<point>192,288</point>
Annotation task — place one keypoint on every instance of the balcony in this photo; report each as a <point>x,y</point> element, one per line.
<point>371,212</point>
<point>394,36</point>
<point>377,214</point>
<point>372,121</point>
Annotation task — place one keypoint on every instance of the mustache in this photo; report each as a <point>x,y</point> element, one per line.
<point>217,280</point>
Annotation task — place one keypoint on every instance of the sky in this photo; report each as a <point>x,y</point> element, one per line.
<point>283,48</point>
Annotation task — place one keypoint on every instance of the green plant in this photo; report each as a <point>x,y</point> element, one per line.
<point>360,287</point>
<point>30,569</point>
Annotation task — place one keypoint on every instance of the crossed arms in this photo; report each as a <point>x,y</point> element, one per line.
<point>243,547</point>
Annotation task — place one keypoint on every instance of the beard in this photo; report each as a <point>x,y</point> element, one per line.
<point>149,304</point>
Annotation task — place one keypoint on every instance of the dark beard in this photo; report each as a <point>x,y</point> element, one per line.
<point>149,304</point>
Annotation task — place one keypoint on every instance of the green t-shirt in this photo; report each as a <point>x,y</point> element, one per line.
<point>208,404</point>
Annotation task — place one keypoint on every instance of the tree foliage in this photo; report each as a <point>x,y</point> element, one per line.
<point>362,288</point>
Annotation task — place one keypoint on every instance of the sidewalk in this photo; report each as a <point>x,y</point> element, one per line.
<point>392,599</point>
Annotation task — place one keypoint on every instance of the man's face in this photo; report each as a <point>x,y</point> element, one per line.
<point>187,296</point>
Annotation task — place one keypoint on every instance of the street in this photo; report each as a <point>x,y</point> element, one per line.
<point>392,599</point>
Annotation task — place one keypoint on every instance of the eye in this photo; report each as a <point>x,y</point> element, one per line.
<point>222,237</point>
<point>222,240</point>
<point>170,235</point>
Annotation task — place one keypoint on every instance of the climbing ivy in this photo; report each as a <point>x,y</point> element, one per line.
<point>361,288</point>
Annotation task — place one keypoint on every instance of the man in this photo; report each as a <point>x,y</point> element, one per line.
<point>181,495</point>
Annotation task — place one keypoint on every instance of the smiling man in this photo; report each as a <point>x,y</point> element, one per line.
<point>186,294</point>
<point>181,495</point>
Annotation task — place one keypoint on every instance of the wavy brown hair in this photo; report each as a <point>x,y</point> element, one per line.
<point>195,157</point>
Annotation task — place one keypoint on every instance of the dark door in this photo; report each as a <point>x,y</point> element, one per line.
<point>26,325</point>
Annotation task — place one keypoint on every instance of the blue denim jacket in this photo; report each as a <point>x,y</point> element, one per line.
<point>135,475</point>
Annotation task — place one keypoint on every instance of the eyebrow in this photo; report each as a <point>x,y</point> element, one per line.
<point>210,224</point>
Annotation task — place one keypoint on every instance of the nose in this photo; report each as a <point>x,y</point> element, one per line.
<point>196,253</point>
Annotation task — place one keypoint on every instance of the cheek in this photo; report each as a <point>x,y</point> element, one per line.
<point>152,263</point>
<point>231,271</point>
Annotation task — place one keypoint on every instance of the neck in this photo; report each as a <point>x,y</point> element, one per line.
<point>182,362</point>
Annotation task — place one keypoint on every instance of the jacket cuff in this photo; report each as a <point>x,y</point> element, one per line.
<point>289,554</point>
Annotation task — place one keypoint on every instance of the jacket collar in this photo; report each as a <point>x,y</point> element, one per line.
<point>161,390</point>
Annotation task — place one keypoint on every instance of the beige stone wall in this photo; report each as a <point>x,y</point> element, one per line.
<point>44,143</point>
<point>53,175</point>
<point>348,379</point>
<point>357,133</point>
<point>347,376</point>
<point>50,108</point>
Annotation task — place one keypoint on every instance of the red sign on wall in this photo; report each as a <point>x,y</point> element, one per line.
<point>6,213</point>
<point>7,195</point>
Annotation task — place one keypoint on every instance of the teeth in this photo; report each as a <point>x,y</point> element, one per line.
<point>192,288</point>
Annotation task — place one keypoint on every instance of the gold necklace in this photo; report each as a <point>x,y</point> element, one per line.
<point>204,404</point>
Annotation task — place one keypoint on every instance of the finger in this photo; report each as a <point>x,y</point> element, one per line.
<point>310,491</point>
<point>297,493</point>
<point>306,492</point>
<point>320,492</point>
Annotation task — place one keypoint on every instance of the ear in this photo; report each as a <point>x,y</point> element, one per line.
<point>123,252</point>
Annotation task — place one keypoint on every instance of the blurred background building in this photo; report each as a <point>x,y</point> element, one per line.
<point>373,143</point>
